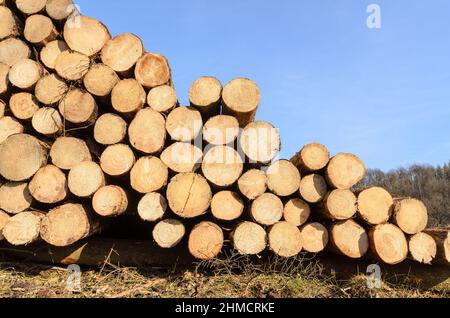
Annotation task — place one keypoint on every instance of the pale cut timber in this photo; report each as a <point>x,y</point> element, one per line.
<point>222,166</point>
<point>51,51</point>
<point>122,53</point>
<point>49,185</point>
<point>152,70</point>
<point>267,209</point>
<point>184,124</point>
<point>240,99</point>
<point>147,132</point>
<point>339,205</point>
<point>227,206</point>
<point>162,99</point>
<point>410,215</point>
<point>30,7</point>
<point>72,66</point>
<point>205,95</point>
<point>313,188</point>
<point>152,207</point>
<point>221,130</point>
<point>25,74</point>
<point>67,152</point>
<point>15,197</point>
<point>110,129</point>
<point>85,35</point>
<point>2,108</point>
<point>23,229</point>
<point>442,239</point>
<point>206,241</point>
<point>375,205</point>
<point>100,80</point>
<point>9,126</point>
<point>50,89</point>
<point>117,160</point>
<point>349,238</point>
<point>388,243</point>
<point>4,218</point>
<point>285,239</point>
<point>128,97</point>
<point>249,238</point>
<point>313,157</point>
<point>296,212</point>
<point>189,195</point>
<point>39,30</point>
<point>78,107</point>
<point>423,248</point>
<point>13,50</point>
<point>315,237</point>
<point>47,121</point>
<point>110,201</point>
<point>8,23</point>
<point>149,174</point>
<point>4,78</point>
<point>253,184</point>
<point>85,179</point>
<point>344,171</point>
<point>59,9</point>
<point>21,156</point>
<point>260,142</point>
<point>182,157</point>
<point>23,105</point>
<point>283,178</point>
<point>168,233</point>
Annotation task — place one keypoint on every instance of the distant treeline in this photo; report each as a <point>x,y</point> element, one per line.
<point>427,183</point>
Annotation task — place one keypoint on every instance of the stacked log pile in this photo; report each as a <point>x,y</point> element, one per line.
<point>91,129</point>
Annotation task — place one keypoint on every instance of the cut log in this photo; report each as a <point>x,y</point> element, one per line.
<point>100,80</point>
<point>85,35</point>
<point>152,207</point>
<point>78,107</point>
<point>15,197</point>
<point>13,50</point>
<point>23,105</point>
<point>313,188</point>
<point>2,108</point>
<point>249,238</point>
<point>349,239</point>
<point>110,129</point>
<point>4,218</point>
<point>227,206</point>
<point>39,30</point>
<point>423,248</point>
<point>162,99</point>
<point>122,53</point>
<point>285,239</point>
<point>49,185</point>
<point>21,156</point>
<point>221,130</point>
<point>267,209</point>
<point>388,243</point>
<point>8,127</point>
<point>66,225</point>
<point>117,160</point>
<point>222,166</point>
<point>313,157</point>
<point>339,205</point>
<point>51,51</point>
<point>410,215</point>
<point>59,9</point>
<point>168,233</point>
<point>315,237</point>
<point>152,70</point>
<point>442,239</point>
<point>147,132</point>
<point>128,97</point>
<point>182,157</point>
<point>344,171</point>
<point>260,142</point>
<point>240,99</point>
<point>50,89</point>
<point>29,7</point>
<point>205,241</point>
<point>47,121</point>
<point>253,184</point>
<point>149,174</point>
<point>184,124</point>
<point>297,212</point>
<point>8,23</point>
<point>67,152</point>
<point>25,74</point>
<point>85,179</point>
<point>189,195</point>
<point>4,78</point>
<point>283,178</point>
<point>205,95</point>
<point>72,66</point>
<point>23,229</point>
<point>110,201</point>
<point>375,205</point>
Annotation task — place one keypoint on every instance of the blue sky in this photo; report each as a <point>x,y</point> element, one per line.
<point>383,94</point>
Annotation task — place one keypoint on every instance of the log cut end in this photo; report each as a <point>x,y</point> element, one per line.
<point>182,157</point>
<point>49,185</point>
<point>147,132</point>
<point>267,209</point>
<point>152,70</point>
<point>340,205</point>
<point>423,248</point>
<point>221,130</point>
<point>260,142</point>
<point>313,157</point>
<point>345,170</point>
<point>149,174</point>
<point>285,239</point>
<point>349,239</point>
<point>222,166</point>
<point>253,184</point>
<point>117,160</point>
<point>50,89</point>
<point>23,105</point>
<point>206,241</point>
<point>389,243</point>
<point>411,215</point>
<point>375,205</point>
<point>315,237</point>
<point>152,207</point>
<point>122,52</point>
<point>15,197</point>
<point>241,98</point>
<point>110,201</point>
<point>110,129</point>
<point>313,188</point>
<point>205,95</point>
<point>85,179</point>
<point>227,206</point>
<point>100,80</point>
<point>169,233</point>
<point>249,238</point>
<point>297,212</point>
<point>162,99</point>
<point>184,124</point>
<point>67,152</point>
<point>283,178</point>
<point>23,229</point>
<point>51,51</point>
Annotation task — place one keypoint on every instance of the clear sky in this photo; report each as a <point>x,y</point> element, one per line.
<point>383,94</point>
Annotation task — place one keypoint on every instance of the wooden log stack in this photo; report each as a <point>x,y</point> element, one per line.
<point>91,129</point>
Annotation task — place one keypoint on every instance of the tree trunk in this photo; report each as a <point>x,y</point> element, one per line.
<point>297,212</point>
<point>206,241</point>
<point>222,166</point>
<point>85,179</point>
<point>313,188</point>
<point>283,178</point>
<point>285,239</point>
<point>110,129</point>
<point>67,152</point>
<point>375,205</point>
<point>15,197</point>
<point>59,10</point>
<point>49,185</point>
<point>9,126</point>
<point>315,237</point>
<point>267,209</point>
<point>117,160</point>
<point>29,7</point>
<point>23,228</point>
<point>72,66</point>
<point>152,207</point>
<point>9,26</point>
<point>344,171</point>
<point>50,89</point>
<point>349,238</point>
<point>313,157</point>
<point>149,174</point>
<point>423,248</point>
<point>339,205</point>
<point>100,80</point>
<point>253,184</point>
<point>23,105</point>
<point>152,70</point>
<point>47,121</point>
<point>410,215</point>
<point>162,99</point>
<point>184,124</point>
<point>110,201</point>
<point>168,233</point>
<point>128,97</point>
<point>13,50</point>
<point>249,238</point>
<point>39,30</point>
<point>51,51</point>
<point>260,142</point>
<point>205,95</point>
<point>182,157</point>
<point>388,243</point>
<point>147,132</point>
<point>241,98</point>
<point>221,130</point>
<point>227,206</point>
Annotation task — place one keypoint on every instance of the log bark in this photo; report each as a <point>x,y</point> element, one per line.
<point>249,238</point>
<point>313,157</point>
<point>9,126</point>
<point>23,105</point>
<point>297,212</point>
<point>110,129</point>
<point>67,152</point>
<point>72,66</point>
<point>13,50</point>
<point>285,239</point>
<point>253,184</point>
<point>205,95</point>
<point>110,201</point>
<point>47,121</point>
<point>49,185</point>
<point>59,10</point>
<point>267,209</point>
<point>50,89</point>
<point>339,205</point>
<point>260,142</point>
<point>4,79</point>
<point>51,51</point>
<point>162,99</point>
<point>388,243</point>
<point>100,80</point>
<point>221,130</point>
<point>147,132</point>
<point>152,70</point>
<point>222,166</point>
<point>227,206</point>
<point>168,233</point>
<point>78,107</point>
<point>422,248</point>
<point>313,188</point>
<point>23,228</point>
<point>206,241</point>
<point>410,215</point>
<point>375,205</point>
<point>283,178</point>
<point>152,207</point>
<point>85,179</point>
<point>4,218</point>
<point>184,124</point>
<point>117,160</point>
<point>315,237</point>
<point>15,197</point>
<point>241,98</point>
<point>9,26</point>
<point>182,157</point>
<point>29,7</point>
<point>25,74</point>
<point>39,30</point>
<point>344,171</point>
<point>349,238</point>
<point>128,97</point>
<point>149,174</point>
